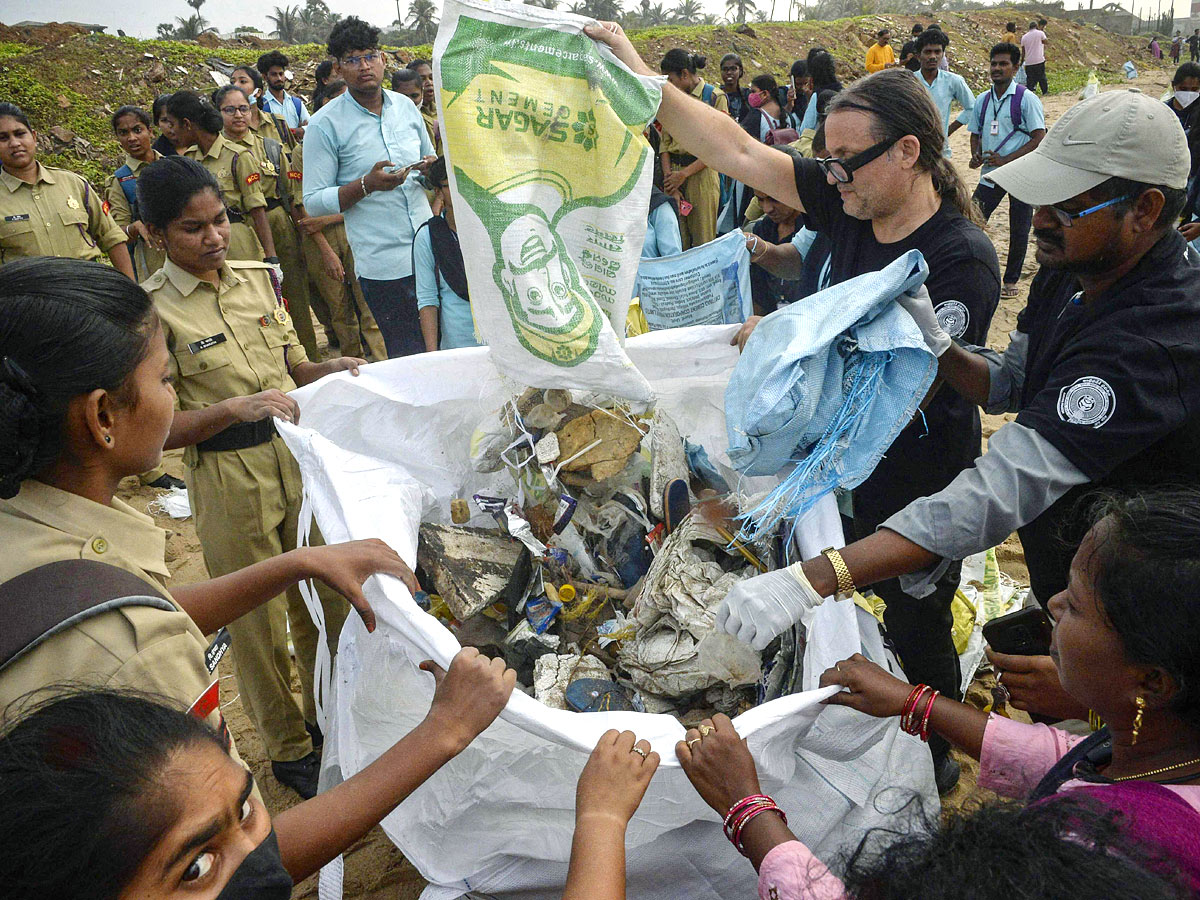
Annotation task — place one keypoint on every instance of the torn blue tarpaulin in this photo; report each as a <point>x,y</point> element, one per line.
<point>825,385</point>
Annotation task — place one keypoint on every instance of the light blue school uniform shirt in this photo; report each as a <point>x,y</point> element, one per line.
<point>456,328</point>
<point>1006,138</point>
<point>292,108</point>
<point>946,88</point>
<point>662,233</point>
<point>342,143</point>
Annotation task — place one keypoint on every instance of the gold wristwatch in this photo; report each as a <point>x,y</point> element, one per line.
<point>845,584</point>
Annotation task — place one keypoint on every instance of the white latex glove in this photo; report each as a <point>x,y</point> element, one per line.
<point>759,608</point>
<point>920,307</point>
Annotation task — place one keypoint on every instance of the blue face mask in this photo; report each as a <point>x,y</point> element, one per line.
<point>261,876</point>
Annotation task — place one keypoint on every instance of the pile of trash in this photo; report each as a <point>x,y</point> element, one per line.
<point>600,583</point>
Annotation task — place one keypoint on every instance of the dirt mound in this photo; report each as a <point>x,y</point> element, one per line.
<point>40,35</point>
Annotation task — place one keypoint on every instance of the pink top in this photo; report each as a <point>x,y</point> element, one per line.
<point>1033,43</point>
<point>1015,756</point>
<point>1013,759</point>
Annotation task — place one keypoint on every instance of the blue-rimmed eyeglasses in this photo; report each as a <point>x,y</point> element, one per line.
<point>842,170</point>
<point>1067,219</point>
<point>367,59</point>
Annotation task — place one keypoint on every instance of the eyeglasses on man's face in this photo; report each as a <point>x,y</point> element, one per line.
<point>1067,219</point>
<point>842,170</point>
<point>353,62</point>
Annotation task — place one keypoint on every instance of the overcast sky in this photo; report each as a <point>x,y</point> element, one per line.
<point>139,17</point>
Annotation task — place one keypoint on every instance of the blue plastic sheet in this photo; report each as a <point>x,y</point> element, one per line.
<point>825,384</point>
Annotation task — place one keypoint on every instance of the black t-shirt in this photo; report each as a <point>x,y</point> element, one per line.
<point>964,285</point>
<point>1114,385</point>
<point>1193,43</point>
<point>913,64</point>
<point>163,146</point>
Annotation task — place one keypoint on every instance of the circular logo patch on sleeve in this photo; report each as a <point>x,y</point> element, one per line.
<point>953,317</point>
<point>1089,402</point>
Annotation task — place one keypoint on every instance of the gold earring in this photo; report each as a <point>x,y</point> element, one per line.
<point>1140,703</point>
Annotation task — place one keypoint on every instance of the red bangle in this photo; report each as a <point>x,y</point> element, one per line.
<point>741,805</point>
<point>909,714</point>
<point>745,813</point>
<point>750,814</point>
<point>925,718</point>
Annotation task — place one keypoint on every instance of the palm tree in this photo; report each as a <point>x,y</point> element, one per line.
<point>740,8</point>
<point>287,24</point>
<point>422,19</point>
<point>190,28</point>
<point>688,11</point>
<point>196,4</point>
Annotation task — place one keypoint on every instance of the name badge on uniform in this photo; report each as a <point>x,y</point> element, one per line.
<point>23,217</point>
<point>995,127</point>
<point>217,649</point>
<point>204,343</point>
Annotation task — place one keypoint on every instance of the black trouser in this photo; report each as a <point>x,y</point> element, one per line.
<point>393,303</point>
<point>1020,220</point>
<point>1035,74</point>
<point>920,632</point>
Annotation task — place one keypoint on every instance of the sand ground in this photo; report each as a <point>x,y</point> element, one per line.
<point>375,869</point>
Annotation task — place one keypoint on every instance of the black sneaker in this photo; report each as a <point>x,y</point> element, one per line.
<point>300,775</point>
<point>946,773</point>
<point>165,482</point>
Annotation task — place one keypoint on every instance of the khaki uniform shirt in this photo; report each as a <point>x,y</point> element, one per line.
<point>59,215</point>
<point>241,182</point>
<point>253,143</point>
<point>146,258</point>
<point>228,340</point>
<point>139,647</point>
<point>275,127</point>
<point>434,127</point>
<point>720,102</point>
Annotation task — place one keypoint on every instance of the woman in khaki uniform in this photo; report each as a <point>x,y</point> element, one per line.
<point>86,400</point>
<point>684,176</point>
<point>263,122</point>
<point>331,270</point>
<point>197,128</point>
<point>228,337</point>
<point>277,186</point>
<point>50,212</point>
<point>131,125</point>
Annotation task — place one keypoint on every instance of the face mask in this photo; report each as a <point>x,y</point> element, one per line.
<point>756,100</point>
<point>261,876</point>
<point>1186,98</point>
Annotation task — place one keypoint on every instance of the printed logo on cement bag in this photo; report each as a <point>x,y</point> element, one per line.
<point>546,155</point>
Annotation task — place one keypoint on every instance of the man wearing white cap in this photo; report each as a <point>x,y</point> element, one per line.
<point>1103,372</point>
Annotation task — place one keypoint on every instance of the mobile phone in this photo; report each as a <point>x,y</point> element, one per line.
<point>1025,632</point>
<point>394,169</point>
<point>684,207</point>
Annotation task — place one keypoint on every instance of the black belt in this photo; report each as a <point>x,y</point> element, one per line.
<point>682,159</point>
<point>234,216</point>
<point>240,436</point>
<point>274,203</point>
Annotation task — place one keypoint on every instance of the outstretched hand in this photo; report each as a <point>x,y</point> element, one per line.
<point>615,779</point>
<point>717,762</point>
<point>344,567</point>
<point>469,696</point>
<point>614,36</point>
<point>872,689</point>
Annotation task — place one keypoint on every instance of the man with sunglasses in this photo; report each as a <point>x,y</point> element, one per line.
<point>359,150</point>
<point>1101,372</point>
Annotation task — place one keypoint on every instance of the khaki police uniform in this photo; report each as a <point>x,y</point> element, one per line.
<point>231,340</point>
<point>434,127</point>
<point>146,259</point>
<point>349,314</point>
<point>277,188</point>
<point>60,214</point>
<point>240,180</point>
<point>139,647</point>
<point>702,190</point>
<point>273,126</point>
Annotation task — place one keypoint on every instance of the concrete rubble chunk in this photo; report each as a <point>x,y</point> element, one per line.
<point>615,438</point>
<point>472,568</point>
<point>553,672</point>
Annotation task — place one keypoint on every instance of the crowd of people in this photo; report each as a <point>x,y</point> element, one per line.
<point>249,215</point>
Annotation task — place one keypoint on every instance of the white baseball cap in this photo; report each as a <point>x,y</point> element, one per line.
<point>1116,134</point>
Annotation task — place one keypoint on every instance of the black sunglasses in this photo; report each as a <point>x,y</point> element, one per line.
<point>842,170</point>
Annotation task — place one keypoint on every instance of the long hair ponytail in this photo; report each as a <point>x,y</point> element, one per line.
<point>899,106</point>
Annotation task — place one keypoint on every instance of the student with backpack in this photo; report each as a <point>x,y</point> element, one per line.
<point>687,179</point>
<point>1006,123</point>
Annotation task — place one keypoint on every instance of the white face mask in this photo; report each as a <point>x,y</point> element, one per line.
<point>1186,98</point>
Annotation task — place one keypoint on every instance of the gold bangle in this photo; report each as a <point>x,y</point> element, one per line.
<point>845,583</point>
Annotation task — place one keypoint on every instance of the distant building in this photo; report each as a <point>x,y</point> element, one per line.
<point>1111,17</point>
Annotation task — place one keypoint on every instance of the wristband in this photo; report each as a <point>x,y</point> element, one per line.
<point>845,583</point>
<point>272,260</point>
<point>362,182</point>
